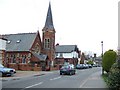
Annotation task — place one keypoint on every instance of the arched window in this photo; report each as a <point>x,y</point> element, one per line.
<point>14,59</point>
<point>37,48</point>
<point>47,43</point>
<point>23,58</point>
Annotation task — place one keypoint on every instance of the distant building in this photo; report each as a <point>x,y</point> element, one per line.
<point>67,53</point>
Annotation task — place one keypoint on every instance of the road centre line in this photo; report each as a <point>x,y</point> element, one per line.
<point>33,85</point>
<point>56,78</point>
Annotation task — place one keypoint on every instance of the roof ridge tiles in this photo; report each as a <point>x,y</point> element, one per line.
<point>19,33</point>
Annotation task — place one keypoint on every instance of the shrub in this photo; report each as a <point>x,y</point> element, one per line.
<point>90,62</point>
<point>114,77</point>
<point>109,59</point>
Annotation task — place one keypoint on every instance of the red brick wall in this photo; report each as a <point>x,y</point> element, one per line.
<point>51,35</point>
<point>61,61</point>
<point>37,41</point>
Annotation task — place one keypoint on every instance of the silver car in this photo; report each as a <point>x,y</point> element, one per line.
<point>6,71</point>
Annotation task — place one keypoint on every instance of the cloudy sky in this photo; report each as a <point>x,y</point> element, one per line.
<point>81,22</point>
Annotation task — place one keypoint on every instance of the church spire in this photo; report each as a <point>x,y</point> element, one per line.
<point>49,20</point>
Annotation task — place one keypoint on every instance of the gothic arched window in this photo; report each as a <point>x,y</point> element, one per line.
<point>47,43</point>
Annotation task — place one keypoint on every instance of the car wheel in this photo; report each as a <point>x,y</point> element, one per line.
<point>74,73</point>
<point>60,73</point>
<point>70,73</point>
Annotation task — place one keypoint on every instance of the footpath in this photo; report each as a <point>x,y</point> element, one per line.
<point>24,74</point>
<point>94,81</point>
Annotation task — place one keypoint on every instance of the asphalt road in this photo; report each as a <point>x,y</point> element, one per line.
<point>52,80</point>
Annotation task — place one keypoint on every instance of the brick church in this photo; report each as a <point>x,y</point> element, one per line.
<point>26,51</point>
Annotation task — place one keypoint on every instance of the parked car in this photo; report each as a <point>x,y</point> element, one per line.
<point>90,66</point>
<point>85,66</point>
<point>67,69</point>
<point>94,65</point>
<point>6,71</point>
<point>80,66</point>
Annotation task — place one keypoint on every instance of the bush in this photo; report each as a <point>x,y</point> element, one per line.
<point>90,62</point>
<point>109,58</point>
<point>114,77</point>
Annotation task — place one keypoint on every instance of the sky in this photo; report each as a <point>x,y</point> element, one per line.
<point>84,23</point>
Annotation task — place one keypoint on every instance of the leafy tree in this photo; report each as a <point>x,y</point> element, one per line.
<point>109,58</point>
<point>114,77</point>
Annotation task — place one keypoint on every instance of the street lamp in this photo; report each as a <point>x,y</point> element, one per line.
<point>102,48</point>
<point>102,56</point>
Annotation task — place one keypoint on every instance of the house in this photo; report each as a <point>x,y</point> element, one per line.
<point>67,53</point>
<point>2,48</point>
<point>26,51</point>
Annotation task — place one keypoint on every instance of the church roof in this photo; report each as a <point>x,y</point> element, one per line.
<point>41,57</point>
<point>19,42</point>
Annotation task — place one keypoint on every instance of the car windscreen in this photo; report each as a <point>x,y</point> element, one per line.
<point>65,67</point>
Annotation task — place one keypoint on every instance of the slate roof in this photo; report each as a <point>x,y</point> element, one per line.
<point>42,57</point>
<point>49,20</point>
<point>19,42</point>
<point>65,48</point>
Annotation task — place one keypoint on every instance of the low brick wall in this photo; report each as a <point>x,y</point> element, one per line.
<point>57,67</point>
<point>24,67</point>
<point>27,67</point>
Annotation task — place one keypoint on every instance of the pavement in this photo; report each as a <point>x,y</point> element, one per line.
<point>93,81</point>
<point>24,74</point>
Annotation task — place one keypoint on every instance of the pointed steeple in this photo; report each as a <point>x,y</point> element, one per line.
<point>49,20</point>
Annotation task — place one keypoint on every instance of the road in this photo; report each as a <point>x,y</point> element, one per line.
<point>52,80</point>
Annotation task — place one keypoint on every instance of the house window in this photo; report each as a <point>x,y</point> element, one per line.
<point>37,49</point>
<point>23,58</point>
<point>61,55</point>
<point>47,43</point>
<point>56,54</point>
<point>13,59</point>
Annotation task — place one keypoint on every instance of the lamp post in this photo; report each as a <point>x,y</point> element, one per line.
<point>102,48</point>
<point>102,56</point>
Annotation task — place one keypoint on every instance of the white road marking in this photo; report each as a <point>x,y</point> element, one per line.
<point>83,83</point>
<point>55,78</point>
<point>34,85</point>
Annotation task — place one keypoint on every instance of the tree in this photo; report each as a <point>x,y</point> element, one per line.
<point>109,58</point>
<point>114,77</point>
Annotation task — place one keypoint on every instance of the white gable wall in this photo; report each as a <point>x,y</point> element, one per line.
<point>2,44</point>
<point>67,55</point>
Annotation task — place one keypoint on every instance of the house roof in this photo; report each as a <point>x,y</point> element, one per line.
<point>49,20</point>
<point>19,42</point>
<point>41,57</point>
<point>66,48</point>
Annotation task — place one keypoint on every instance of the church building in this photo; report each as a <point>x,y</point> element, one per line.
<point>27,51</point>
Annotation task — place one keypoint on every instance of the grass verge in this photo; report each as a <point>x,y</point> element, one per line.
<point>105,77</point>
